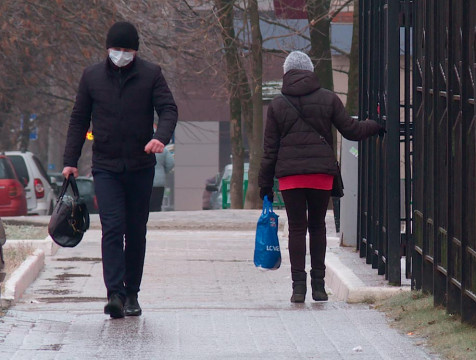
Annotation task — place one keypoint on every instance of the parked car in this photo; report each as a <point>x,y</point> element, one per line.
<point>56,181</point>
<point>12,192</point>
<point>87,193</point>
<point>40,196</point>
<point>85,189</point>
<point>210,192</point>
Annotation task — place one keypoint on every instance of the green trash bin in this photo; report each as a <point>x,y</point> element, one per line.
<point>278,202</point>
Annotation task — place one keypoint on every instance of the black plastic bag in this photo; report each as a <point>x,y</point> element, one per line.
<point>70,218</point>
<point>337,185</point>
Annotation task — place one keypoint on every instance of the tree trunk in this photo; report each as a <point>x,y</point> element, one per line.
<point>319,29</point>
<point>236,182</point>
<point>25,131</point>
<point>255,142</point>
<point>225,14</point>
<point>320,53</point>
<point>352,104</point>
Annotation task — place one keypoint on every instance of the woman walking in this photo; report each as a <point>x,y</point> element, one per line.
<point>298,150</point>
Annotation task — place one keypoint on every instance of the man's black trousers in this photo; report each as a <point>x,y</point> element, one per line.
<point>156,198</point>
<point>123,201</point>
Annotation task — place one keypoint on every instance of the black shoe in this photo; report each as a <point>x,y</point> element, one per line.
<point>318,290</point>
<point>299,292</point>
<point>132,307</point>
<point>114,307</point>
<point>299,288</point>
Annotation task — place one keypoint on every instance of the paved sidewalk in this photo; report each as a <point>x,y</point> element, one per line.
<point>202,298</point>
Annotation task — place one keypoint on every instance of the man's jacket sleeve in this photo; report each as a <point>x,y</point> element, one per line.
<point>166,108</point>
<point>78,124</point>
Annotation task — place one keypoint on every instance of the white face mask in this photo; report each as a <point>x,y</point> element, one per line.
<point>121,58</point>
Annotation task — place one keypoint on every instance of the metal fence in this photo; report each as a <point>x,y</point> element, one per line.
<point>379,220</point>
<point>3,238</point>
<point>431,144</point>
<point>444,256</point>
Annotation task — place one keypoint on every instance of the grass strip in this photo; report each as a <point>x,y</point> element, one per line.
<point>414,314</point>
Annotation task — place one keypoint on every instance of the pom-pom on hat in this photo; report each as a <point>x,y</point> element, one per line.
<point>299,61</point>
<point>122,35</point>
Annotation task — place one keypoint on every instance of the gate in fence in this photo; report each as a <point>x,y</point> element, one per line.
<point>379,219</point>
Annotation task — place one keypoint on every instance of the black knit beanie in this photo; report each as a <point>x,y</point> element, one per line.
<point>122,35</point>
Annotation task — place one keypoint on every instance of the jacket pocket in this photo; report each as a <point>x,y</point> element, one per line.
<point>104,145</point>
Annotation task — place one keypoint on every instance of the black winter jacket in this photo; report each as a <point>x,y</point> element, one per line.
<point>291,146</point>
<point>120,102</point>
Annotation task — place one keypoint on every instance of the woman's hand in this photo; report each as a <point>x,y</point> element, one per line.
<point>266,191</point>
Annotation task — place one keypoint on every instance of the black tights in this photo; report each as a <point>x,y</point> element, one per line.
<point>306,210</point>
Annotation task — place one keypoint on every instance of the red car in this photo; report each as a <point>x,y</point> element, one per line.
<point>12,192</point>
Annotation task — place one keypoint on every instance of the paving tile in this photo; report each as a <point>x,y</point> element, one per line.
<point>202,298</point>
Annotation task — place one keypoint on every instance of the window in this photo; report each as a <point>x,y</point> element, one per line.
<point>6,171</point>
<point>20,166</point>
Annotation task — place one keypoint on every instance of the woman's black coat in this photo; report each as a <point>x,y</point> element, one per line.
<point>291,145</point>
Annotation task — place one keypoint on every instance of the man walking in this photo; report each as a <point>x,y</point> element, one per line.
<point>119,96</point>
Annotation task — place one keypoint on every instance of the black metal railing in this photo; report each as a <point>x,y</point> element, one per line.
<point>430,144</point>
<point>444,255</point>
<point>379,222</point>
<point>2,273</point>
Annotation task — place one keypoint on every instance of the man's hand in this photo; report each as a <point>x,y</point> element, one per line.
<point>70,170</point>
<point>154,146</point>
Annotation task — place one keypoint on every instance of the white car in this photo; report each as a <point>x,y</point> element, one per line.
<point>40,197</point>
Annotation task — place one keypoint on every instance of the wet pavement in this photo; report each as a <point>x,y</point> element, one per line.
<point>202,298</point>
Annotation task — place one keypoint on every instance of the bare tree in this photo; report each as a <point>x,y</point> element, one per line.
<point>216,45</point>
<point>242,50</point>
<point>255,135</point>
<point>352,104</point>
<point>320,18</point>
<point>44,46</point>
<point>320,52</point>
<point>225,18</point>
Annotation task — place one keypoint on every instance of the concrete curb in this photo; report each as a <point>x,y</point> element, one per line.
<point>346,286</point>
<point>24,276</point>
<point>47,245</point>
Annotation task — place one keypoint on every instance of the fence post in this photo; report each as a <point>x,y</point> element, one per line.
<point>393,143</point>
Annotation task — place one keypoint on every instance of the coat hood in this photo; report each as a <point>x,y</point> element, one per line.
<point>300,82</point>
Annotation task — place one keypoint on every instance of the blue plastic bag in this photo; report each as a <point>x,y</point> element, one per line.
<point>267,252</point>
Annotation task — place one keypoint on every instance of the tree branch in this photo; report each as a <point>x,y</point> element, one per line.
<point>340,71</point>
<point>340,51</point>
<point>56,96</point>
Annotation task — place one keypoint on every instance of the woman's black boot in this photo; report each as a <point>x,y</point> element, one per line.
<point>318,285</point>
<point>299,287</point>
